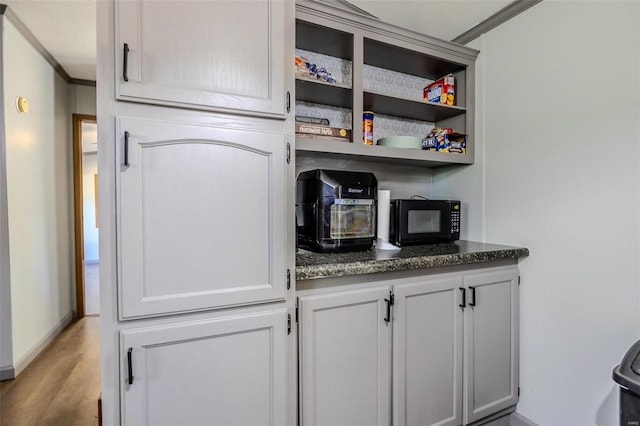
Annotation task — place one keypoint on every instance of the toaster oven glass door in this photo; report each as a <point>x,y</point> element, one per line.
<point>352,218</point>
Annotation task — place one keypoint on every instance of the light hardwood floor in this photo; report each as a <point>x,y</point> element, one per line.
<point>61,386</point>
<point>91,289</point>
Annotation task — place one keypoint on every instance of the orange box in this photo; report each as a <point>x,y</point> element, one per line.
<point>442,91</point>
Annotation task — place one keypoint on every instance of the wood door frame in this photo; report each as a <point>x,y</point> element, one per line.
<point>78,221</point>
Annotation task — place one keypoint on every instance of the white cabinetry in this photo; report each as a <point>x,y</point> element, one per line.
<point>227,371</point>
<point>454,350</point>
<point>196,205</point>
<point>384,69</point>
<point>221,55</point>
<point>196,193</point>
<point>427,347</point>
<point>345,358</point>
<point>490,343</point>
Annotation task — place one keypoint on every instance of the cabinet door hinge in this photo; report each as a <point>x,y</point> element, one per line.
<point>288,101</point>
<point>288,153</point>
<point>288,279</point>
<point>288,323</point>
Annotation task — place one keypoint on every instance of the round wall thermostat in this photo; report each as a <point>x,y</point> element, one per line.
<point>22,104</point>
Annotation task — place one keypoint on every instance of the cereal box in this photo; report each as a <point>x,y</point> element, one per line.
<point>442,91</point>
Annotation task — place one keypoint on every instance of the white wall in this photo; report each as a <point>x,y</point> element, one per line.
<point>82,99</point>
<point>6,339</point>
<point>403,181</point>
<point>89,169</point>
<point>558,171</point>
<point>38,158</point>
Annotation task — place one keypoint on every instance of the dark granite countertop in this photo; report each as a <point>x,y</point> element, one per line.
<point>310,265</point>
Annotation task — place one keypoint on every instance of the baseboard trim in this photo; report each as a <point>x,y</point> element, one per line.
<point>7,373</point>
<point>43,343</point>
<point>520,420</point>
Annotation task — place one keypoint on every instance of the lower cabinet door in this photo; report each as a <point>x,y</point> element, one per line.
<point>427,353</point>
<point>225,371</point>
<point>345,358</point>
<point>491,343</point>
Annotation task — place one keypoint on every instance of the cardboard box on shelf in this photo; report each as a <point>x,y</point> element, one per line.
<point>442,91</point>
<point>318,131</point>
<point>445,140</point>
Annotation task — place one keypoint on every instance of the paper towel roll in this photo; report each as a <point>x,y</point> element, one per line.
<point>384,207</point>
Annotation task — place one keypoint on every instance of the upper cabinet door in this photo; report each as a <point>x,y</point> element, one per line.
<point>223,55</point>
<point>201,217</point>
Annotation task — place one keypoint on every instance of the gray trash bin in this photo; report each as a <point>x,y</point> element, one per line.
<point>627,375</point>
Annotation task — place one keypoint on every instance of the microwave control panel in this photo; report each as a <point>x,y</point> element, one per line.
<point>455,219</point>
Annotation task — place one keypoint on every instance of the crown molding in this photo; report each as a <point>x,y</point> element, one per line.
<point>500,17</point>
<point>311,9</point>
<point>81,82</point>
<point>345,5</point>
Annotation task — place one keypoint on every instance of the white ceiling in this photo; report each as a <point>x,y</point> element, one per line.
<point>67,28</point>
<point>445,19</point>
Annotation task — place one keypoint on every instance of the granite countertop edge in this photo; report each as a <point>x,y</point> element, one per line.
<point>341,269</point>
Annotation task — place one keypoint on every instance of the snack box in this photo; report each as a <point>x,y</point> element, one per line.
<point>442,91</point>
<point>320,131</point>
<point>446,142</point>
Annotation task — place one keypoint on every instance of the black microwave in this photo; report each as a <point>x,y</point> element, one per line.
<point>414,222</point>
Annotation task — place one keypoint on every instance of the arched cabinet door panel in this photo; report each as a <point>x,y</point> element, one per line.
<point>222,55</point>
<point>201,217</point>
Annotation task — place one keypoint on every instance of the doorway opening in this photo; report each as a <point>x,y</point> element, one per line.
<point>85,183</point>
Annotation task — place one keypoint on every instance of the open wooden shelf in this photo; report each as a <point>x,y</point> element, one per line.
<point>358,151</point>
<point>405,61</point>
<point>319,92</point>
<point>409,108</point>
<point>400,56</point>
